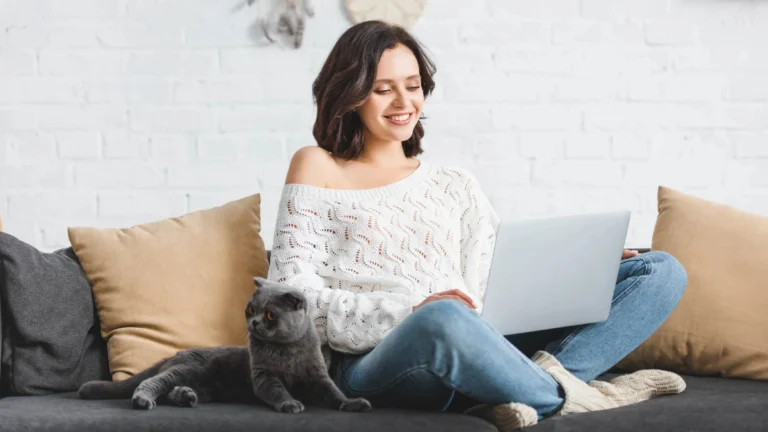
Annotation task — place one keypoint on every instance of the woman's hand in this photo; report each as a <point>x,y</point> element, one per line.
<point>628,254</point>
<point>454,294</point>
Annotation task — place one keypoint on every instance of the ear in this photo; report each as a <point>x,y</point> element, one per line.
<point>294,299</point>
<point>259,281</point>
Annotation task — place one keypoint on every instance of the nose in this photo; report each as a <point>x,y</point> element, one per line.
<point>399,101</point>
<point>254,324</point>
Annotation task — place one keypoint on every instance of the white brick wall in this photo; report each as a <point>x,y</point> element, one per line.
<point>115,112</point>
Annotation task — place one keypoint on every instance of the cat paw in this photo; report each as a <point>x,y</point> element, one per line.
<point>291,407</point>
<point>183,396</point>
<point>355,405</point>
<point>143,402</point>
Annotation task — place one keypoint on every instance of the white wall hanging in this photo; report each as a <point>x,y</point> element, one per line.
<point>284,21</point>
<point>404,13</point>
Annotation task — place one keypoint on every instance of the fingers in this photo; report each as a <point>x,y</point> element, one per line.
<point>628,253</point>
<point>461,294</point>
<point>454,294</point>
<point>461,299</point>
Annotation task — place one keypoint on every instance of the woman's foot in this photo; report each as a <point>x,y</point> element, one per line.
<point>506,417</point>
<point>599,395</point>
<point>640,386</point>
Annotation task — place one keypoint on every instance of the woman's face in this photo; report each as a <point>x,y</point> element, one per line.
<point>393,107</point>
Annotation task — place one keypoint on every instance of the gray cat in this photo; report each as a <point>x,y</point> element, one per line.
<point>281,364</point>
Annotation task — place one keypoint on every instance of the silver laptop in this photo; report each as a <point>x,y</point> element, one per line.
<point>553,272</point>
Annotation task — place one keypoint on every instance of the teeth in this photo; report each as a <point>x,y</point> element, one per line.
<point>402,117</point>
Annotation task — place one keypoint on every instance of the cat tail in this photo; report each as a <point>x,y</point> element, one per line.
<point>117,389</point>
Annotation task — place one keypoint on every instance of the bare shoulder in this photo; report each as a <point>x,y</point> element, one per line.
<point>310,165</point>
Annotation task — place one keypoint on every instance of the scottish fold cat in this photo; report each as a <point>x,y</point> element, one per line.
<point>282,366</point>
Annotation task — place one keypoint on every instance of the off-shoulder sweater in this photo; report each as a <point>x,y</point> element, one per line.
<point>365,257</point>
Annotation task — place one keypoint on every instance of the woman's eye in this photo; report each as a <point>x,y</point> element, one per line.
<point>382,91</point>
<point>414,88</point>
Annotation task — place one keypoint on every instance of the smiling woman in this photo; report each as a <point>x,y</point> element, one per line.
<point>393,256</point>
<point>371,89</point>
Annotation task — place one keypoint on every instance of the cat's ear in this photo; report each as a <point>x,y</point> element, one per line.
<point>294,299</point>
<point>259,282</point>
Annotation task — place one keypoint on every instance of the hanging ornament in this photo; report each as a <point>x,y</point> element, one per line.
<point>404,13</point>
<point>285,20</point>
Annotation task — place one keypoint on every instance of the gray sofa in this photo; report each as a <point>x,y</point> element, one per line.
<point>51,343</point>
<point>709,404</point>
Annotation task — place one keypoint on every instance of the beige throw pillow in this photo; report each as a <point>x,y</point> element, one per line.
<point>173,284</point>
<point>720,326</point>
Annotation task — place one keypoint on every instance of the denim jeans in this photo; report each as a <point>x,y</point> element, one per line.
<point>445,352</point>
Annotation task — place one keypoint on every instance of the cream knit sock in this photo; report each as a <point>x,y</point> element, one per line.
<point>640,386</point>
<point>599,395</point>
<point>506,417</point>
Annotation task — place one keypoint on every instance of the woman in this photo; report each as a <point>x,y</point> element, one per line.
<point>393,254</point>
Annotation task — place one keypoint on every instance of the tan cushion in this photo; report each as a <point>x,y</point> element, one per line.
<point>720,326</point>
<point>175,283</point>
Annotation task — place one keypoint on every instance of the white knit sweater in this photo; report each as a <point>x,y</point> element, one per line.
<point>364,258</point>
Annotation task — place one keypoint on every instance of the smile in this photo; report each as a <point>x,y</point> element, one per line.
<point>400,119</point>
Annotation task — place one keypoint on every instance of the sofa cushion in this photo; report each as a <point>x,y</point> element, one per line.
<point>67,412</point>
<point>51,338</point>
<point>719,327</point>
<point>172,284</point>
<point>708,404</point>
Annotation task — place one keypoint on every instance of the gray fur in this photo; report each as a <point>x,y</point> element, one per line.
<point>281,365</point>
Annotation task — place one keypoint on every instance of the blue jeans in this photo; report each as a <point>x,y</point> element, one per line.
<point>445,354</point>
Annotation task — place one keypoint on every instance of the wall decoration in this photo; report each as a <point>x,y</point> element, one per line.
<point>404,13</point>
<point>284,21</point>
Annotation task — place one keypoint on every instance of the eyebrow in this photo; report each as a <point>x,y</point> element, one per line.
<point>389,80</point>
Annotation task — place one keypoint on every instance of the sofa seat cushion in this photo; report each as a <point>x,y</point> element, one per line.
<point>707,404</point>
<point>66,412</point>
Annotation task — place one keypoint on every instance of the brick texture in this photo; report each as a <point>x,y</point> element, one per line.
<point>116,112</point>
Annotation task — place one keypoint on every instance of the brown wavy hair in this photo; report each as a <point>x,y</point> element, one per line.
<point>346,79</point>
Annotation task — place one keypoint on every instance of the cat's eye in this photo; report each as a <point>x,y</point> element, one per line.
<point>249,310</point>
<point>270,316</point>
